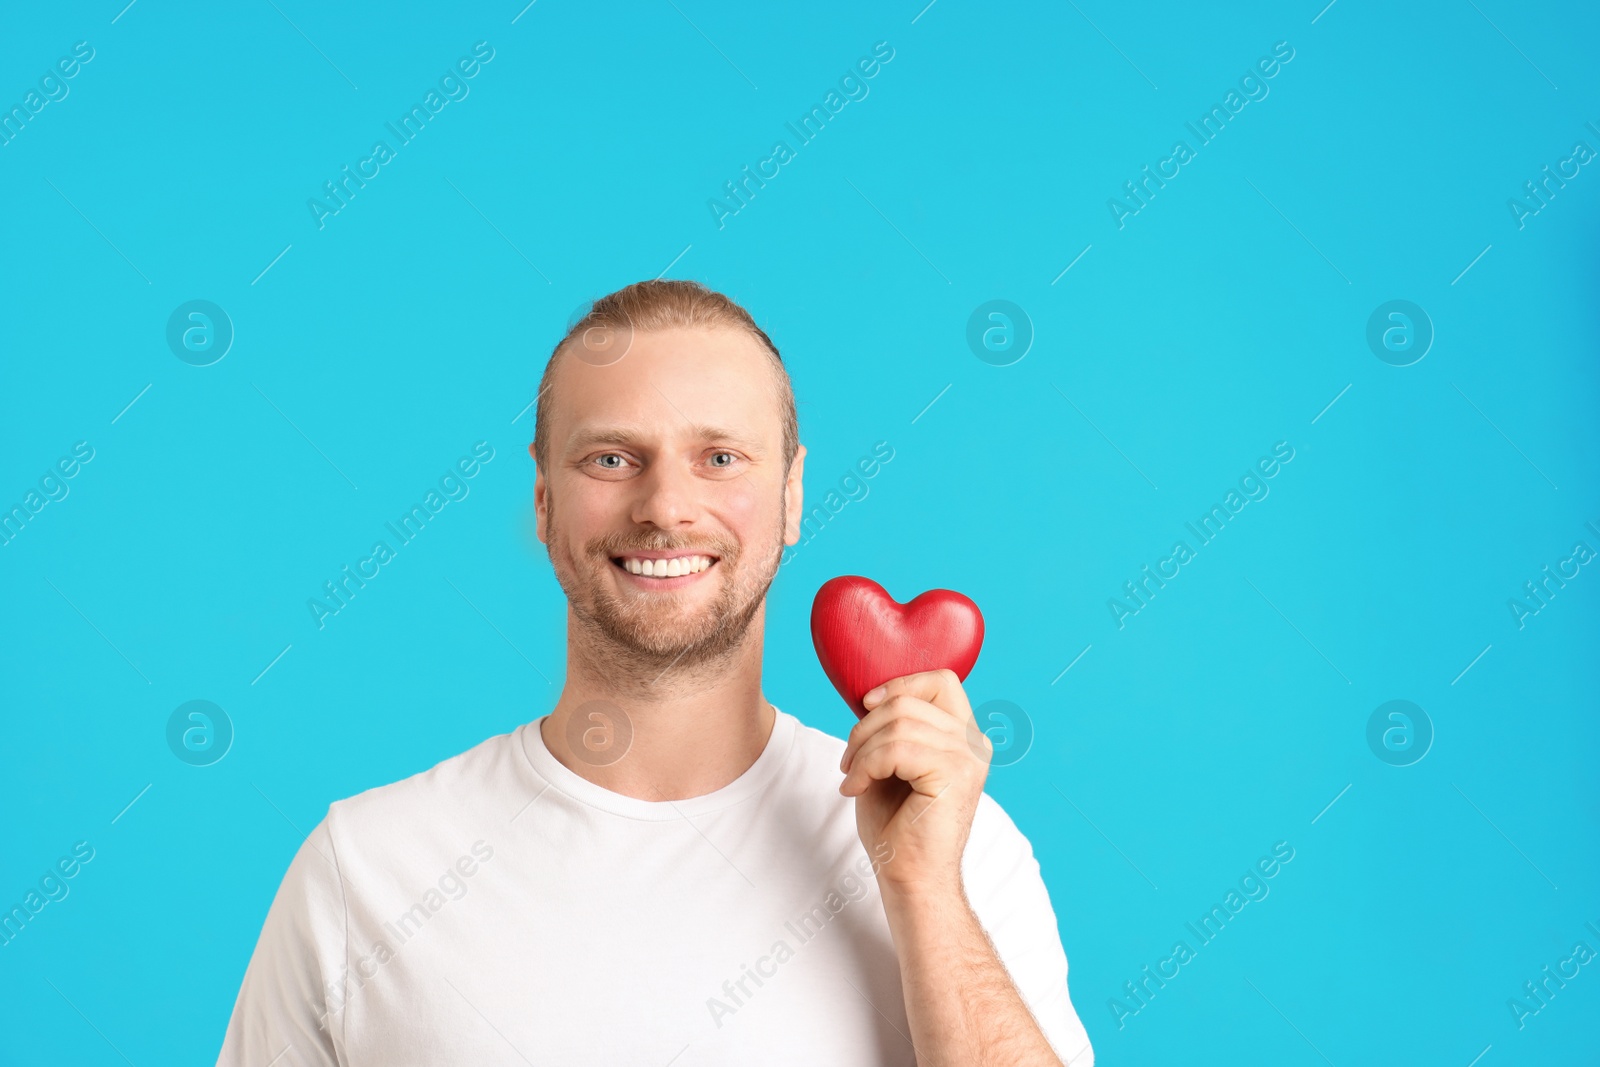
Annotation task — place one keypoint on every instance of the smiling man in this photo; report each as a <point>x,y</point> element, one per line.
<point>667,869</point>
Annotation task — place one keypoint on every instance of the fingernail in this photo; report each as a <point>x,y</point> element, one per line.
<point>874,696</point>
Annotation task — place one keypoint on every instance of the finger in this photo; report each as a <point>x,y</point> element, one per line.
<point>941,688</point>
<point>922,763</point>
<point>884,715</point>
<point>913,751</point>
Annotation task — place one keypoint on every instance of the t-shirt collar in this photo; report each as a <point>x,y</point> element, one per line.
<point>754,779</point>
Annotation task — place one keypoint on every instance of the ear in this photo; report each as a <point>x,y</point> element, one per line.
<point>794,497</point>
<point>541,503</point>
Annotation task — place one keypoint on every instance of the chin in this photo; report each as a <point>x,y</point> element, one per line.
<point>660,633</point>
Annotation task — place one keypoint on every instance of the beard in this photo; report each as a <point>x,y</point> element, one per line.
<point>655,632</point>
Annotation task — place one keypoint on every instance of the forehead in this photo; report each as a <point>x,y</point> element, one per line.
<point>671,384</point>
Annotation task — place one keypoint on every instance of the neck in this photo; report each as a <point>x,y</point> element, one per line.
<point>659,731</point>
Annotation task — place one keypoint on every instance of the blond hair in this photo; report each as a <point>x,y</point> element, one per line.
<point>663,305</point>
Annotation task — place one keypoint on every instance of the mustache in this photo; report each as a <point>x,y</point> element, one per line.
<point>620,544</point>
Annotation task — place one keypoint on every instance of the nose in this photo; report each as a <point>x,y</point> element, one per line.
<point>668,496</point>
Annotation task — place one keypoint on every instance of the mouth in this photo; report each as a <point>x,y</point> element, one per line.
<point>658,570</point>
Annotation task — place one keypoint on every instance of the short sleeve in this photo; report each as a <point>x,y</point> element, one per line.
<point>288,1009</point>
<point>1008,894</point>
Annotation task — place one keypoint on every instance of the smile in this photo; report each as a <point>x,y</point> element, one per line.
<point>664,566</point>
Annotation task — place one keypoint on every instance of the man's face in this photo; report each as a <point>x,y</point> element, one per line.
<point>665,506</point>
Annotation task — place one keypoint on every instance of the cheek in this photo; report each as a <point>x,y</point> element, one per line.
<point>745,509</point>
<point>583,508</point>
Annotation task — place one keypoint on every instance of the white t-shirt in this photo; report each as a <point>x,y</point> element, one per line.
<point>501,909</point>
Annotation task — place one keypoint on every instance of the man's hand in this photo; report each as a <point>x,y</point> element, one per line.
<point>916,764</point>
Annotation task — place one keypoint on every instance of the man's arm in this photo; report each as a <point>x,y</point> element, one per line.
<point>962,1005</point>
<point>916,764</point>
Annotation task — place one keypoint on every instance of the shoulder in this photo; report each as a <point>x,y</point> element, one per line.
<point>466,788</point>
<point>812,745</point>
<point>810,774</point>
<point>456,778</point>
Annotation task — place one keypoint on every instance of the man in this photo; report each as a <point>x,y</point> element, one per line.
<point>666,869</point>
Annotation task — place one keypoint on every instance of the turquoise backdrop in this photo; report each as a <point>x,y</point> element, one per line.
<point>1370,270</point>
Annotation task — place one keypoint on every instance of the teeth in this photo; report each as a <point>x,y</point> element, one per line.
<point>666,568</point>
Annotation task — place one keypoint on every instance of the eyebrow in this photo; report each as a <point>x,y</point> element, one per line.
<point>709,434</point>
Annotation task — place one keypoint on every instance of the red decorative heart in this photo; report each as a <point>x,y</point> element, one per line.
<point>864,637</point>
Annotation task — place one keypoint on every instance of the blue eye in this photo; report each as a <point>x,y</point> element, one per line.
<point>728,456</point>
<point>605,460</point>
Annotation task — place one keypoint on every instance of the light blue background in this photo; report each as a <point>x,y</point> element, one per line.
<point>1224,317</point>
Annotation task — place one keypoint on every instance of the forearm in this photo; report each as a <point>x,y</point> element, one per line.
<point>963,1008</point>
